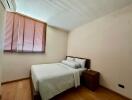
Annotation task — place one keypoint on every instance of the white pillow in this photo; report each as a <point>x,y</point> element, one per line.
<point>70,59</point>
<point>72,64</point>
<point>81,61</point>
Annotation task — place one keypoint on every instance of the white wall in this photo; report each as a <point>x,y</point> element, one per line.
<point>107,41</point>
<point>17,66</point>
<point>2,11</point>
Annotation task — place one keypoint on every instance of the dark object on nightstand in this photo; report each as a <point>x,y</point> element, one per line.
<point>90,79</point>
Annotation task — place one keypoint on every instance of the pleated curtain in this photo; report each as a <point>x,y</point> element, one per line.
<point>24,34</point>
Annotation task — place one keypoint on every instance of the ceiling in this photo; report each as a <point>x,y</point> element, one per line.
<point>68,14</point>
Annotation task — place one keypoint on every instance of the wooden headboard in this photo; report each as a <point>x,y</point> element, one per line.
<point>87,64</point>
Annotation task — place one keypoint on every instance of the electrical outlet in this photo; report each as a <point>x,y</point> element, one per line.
<point>121,86</point>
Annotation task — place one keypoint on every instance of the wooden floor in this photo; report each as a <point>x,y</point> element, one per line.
<point>21,91</point>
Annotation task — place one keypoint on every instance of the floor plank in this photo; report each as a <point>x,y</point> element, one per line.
<point>16,91</point>
<point>21,91</point>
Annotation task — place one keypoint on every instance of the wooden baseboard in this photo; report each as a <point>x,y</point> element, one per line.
<point>115,92</point>
<point>15,80</point>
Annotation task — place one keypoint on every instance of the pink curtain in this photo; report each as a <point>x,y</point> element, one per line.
<point>15,32</point>
<point>21,34</point>
<point>8,31</point>
<point>38,37</point>
<point>24,34</point>
<point>28,35</point>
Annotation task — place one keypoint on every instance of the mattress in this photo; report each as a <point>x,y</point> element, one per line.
<point>38,72</point>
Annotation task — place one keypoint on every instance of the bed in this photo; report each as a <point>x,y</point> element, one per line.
<point>49,80</point>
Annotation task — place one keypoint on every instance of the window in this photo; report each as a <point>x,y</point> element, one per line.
<point>24,34</point>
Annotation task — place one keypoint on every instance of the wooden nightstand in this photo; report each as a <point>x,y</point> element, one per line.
<point>90,79</point>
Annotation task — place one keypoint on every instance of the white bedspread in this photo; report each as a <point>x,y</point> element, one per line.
<point>52,79</point>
